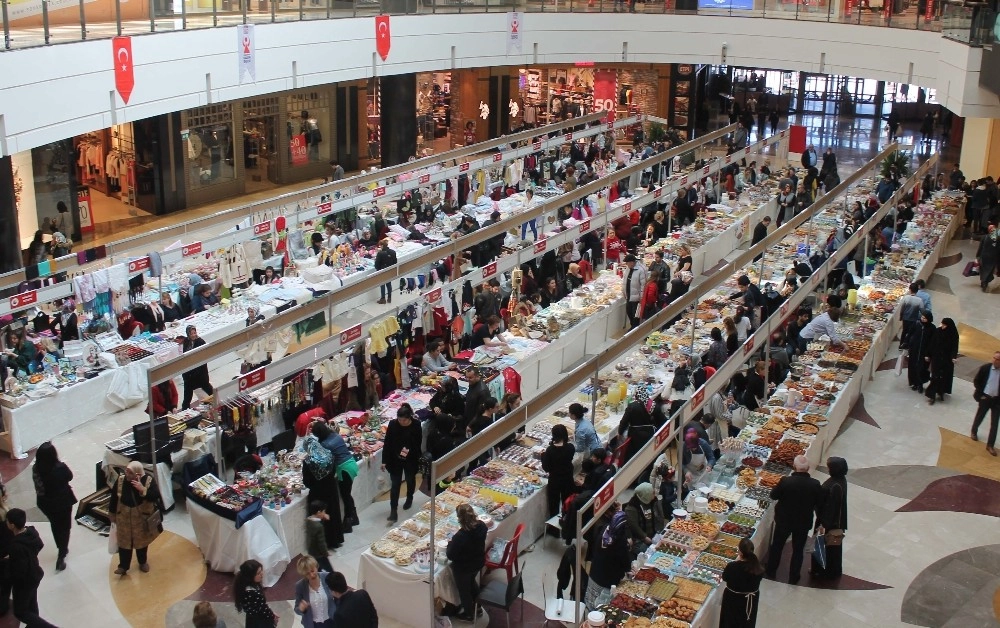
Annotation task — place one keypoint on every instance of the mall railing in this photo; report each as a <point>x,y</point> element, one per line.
<point>30,23</point>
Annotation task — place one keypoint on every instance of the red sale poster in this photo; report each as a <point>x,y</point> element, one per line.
<point>300,152</point>
<point>605,92</point>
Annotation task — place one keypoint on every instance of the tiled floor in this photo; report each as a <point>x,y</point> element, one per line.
<point>923,499</point>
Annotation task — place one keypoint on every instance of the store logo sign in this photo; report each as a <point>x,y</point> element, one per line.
<point>684,180</point>
<point>541,245</point>
<point>697,399</point>
<point>748,346</point>
<point>378,192</point>
<point>464,167</point>
<point>424,178</point>
<point>661,436</point>
<point>489,270</point>
<point>350,334</point>
<point>497,157</point>
<point>658,192</point>
<point>191,249</point>
<point>24,299</point>
<point>585,226</point>
<point>433,296</point>
<point>324,208</point>
<point>626,208</point>
<point>262,227</point>
<point>138,265</point>
<point>536,146</point>
<point>252,379</point>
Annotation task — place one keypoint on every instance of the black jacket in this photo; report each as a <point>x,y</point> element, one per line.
<point>355,610</point>
<point>385,258</point>
<point>398,438</point>
<point>450,402</point>
<point>24,567</point>
<point>799,497</point>
<point>476,395</point>
<point>980,380</point>
<point>52,490</point>
<point>759,233</point>
<point>467,549</point>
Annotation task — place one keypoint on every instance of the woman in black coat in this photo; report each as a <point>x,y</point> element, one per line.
<point>921,340</point>
<point>467,553</point>
<point>557,461</point>
<point>401,455</point>
<point>54,496</point>
<point>942,358</point>
<point>320,477</point>
<point>832,519</point>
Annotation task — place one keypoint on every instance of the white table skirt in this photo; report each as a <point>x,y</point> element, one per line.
<point>225,548</point>
<point>289,524</point>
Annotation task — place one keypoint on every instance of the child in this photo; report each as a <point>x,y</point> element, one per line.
<point>316,536</point>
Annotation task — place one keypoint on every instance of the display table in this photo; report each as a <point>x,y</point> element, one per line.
<point>705,257</point>
<point>225,548</point>
<point>289,524</point>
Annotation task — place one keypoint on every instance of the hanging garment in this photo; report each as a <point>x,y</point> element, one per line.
<point>102,282</point>
<point>118,278</point>
<point>239,270</point>
<point>83,286</point>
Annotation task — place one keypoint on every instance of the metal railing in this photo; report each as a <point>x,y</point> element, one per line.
<point>47,22</point>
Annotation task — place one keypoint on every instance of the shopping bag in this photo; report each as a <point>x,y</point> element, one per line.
<point>819,550</point>
<point>113,540</point>
<point>899,364</point>
<point>971,269</point>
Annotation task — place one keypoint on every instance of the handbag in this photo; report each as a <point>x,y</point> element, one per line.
<point>834,538</point>
<point>153,522</point>
<point>113,540</point>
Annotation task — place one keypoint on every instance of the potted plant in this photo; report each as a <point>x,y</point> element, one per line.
<point>896,166</point>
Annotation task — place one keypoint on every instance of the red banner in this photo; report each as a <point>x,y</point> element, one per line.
<point>383,39</point>
<point>929,11</point>
<point>605,94</point>
<point>300,152</point>
<point>124,69</point>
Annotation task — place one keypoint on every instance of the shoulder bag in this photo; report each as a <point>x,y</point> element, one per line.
<point>835,537</point>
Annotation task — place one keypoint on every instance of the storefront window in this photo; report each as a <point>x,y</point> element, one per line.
<point>208,145</point>
<point>309,137</point>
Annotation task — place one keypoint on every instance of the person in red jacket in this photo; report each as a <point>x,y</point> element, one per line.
<point>164,400</point>
<point>651,296</point>
<point>306,419</point>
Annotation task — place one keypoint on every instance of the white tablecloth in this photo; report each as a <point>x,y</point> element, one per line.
<point>225,548</point>
<point>712,252</point>
<point>289,524</point>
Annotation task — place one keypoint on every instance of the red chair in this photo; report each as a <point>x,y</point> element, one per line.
<point>508,562</point>
<point>620,452</point>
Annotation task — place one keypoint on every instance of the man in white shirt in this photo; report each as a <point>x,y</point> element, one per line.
<point>987,395</point>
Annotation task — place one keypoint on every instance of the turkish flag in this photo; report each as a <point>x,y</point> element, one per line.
<point>124,69</point>
<point>382,38</point>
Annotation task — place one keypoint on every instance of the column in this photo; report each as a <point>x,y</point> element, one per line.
<point>980,154</point>
<point>10,242</point>
<point>399,118</point>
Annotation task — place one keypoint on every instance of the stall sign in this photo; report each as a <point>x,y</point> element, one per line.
<point>697,399</point>
<point>497,157</point>
<point>661,436</point>
<point>541,245</point>
<point>433,296</point>
<point>748,346</point>
<point>626,208</point>
<point>536,146</point>
<point>262,227</point>
<point>604,496</point>
<point>138,265</point>
<point>253,378</point>
<point>191,249</point>
<point>464,167</point>
<point>424,178</point>
<point>585,226</point>
<point>24,299</point>
<point>378,192</point>
<point>350,334</point>
<point>299,149</point>
<point>324,208</point>
<point>489,270</point>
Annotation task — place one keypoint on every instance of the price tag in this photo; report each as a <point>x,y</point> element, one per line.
<point>24,299</point>
<point>489,270</point>
<point>433,296</point>
<point>350,334</point>
<point>536,146</point>
<point>253,378</point>
<point>324,208</point>
<point>497,157</point>
<point>378,192</point>
<point>697,399</point>
<point>748,346</point>
<point>138,265</point>
<point>585,226</point>
<point>424,178</point>
<point>191,249</point>
<point>541,245</point>
<point>604,496</point>
<point>262,228</point>
<point>464,167</point>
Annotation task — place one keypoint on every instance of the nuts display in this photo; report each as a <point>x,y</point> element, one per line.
<point>713,561</point>
<point>720,549</point>
<point>683,525</point>
<point>718,506</point>
<point>677,609</point>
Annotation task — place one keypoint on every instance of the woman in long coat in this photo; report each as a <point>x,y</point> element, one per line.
<point>921,339</point>
<point>320,477</point>
<point>136,511</point>
<point>943,354</point>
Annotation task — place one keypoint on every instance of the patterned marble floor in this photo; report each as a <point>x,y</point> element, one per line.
<point>923,500</point>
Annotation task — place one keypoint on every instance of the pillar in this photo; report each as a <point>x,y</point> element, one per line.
<point>399,118</point>
<point>10,244</point>
<point>980,154</point>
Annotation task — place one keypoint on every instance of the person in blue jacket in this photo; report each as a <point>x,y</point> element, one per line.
<point>346,469</point>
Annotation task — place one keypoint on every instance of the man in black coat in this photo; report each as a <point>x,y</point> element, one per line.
<point>354,606</point>
<point>25,572</point>
<point>799,498</point>
<point>385,258</point>
<point>987,395</point>
<point>760,232</point>
<point>474,397</point>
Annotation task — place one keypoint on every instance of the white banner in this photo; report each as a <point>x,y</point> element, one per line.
<point>515,25</point>
<point>246,51</point>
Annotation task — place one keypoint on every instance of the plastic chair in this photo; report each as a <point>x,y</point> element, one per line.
<point>620,452</point>
<point>503,595</point>
<point>508,562</point>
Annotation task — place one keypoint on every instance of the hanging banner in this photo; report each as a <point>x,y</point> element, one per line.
<point>605,92</point>
<point>124,69</point>
<point>515,21</point>
<point>929,11</point>
<point>246,52</point>
<point>299,150</point>
<point>383,39</point>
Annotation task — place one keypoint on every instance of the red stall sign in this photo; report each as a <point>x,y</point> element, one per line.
<point>541,245</point>
<point>262,227</point>
<point>24,299</point>
<point>191,249</point>
<point>253,378</point>
<point>138,265</point>
<point>350,334</point>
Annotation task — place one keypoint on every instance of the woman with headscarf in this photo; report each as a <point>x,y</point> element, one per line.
<point>136,512</point>
<point>574,278</point>
<point>697,456</point>
<point>611,560</point>
<point>920,341</point>
<point>645,517</point>
<point>942,357</point>
<point>319,475</point>
<point>346,468</point>
<point>739,599</point>
<point>832,519</point>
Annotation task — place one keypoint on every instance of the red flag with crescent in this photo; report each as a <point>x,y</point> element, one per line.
<point>382,38</point>
<point>124,68</point>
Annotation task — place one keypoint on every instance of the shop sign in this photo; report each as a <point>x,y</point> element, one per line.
<point>378,192</point>
<point>604,496</point>
<point>626,208</point>
<point>24,299</point>
<point>138,265</point>
<point>697,399</point>
<point>541,245</point>
<point>497,157</point>
<point>253,378</point>
<point>324,208</point>
<point>661,436</point>
<point>299,149</point>
<point>464,167</point>
<point>433,296</point>
<point>350,334</point>
<point>124,67</point>
<point>262,227</point>
<point>383,38</point>
<point>929,10</point>
<point>658,192</point>
<point>191,249</point>
<point>515,22</point>
<point>536,146</point>
<point>489,270</point>
<point>86,217</point>
<point>606,93</point>
<point>748,346</point>
<point>585,226</point>
<point>246,49</point>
